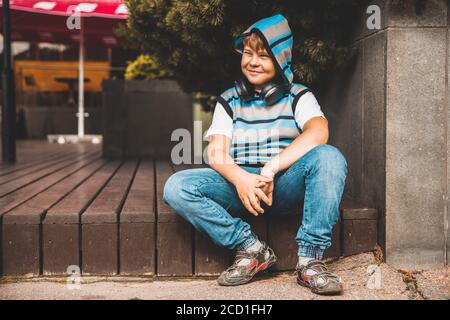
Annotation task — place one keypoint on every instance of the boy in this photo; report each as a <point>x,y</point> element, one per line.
<point>256,153</point>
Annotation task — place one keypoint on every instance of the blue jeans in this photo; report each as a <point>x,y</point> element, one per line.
<point>209,202</point>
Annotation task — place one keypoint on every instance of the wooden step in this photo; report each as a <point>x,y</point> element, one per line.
<point>359,227</point>
<point>108,217</point>
<point>21,239</point>
<point>100,222</point>
<point>174,239</point>
<point>62,223</point>
<point>137,224</point>
<point>209,258</point>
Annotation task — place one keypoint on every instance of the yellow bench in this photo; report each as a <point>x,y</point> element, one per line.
<point>36,75</point>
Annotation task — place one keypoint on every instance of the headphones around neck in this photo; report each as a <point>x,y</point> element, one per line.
<point>271,93</point>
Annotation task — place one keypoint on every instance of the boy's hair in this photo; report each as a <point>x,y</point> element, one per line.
<point>254,42</point>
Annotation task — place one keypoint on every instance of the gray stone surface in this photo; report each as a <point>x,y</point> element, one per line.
<point>374,122</point>
<point>361,30</point>
<point>415,147</point>
<point>395,104</point>
<point>434,14</point>
<point>279,286</point>
<point>434,284</point>
<point>447,214</point>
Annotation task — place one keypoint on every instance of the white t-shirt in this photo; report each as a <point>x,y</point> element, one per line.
<point>307,108</point>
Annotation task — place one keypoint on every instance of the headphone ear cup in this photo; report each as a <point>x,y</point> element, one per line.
<point>244,90</point>
<point>273,92</point>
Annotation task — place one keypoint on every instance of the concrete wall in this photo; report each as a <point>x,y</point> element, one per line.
<point>389,113</point>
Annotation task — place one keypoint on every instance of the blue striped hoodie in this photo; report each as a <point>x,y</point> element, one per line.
<point>261,131</point>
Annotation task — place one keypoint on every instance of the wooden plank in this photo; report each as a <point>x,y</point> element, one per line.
<point>223,255</point>
<point>30,152</point>
<point>40,149</point>
<point>34,150</point>
<point>359,236</point>
<point>33,177</point>
<point>99,249</point>
<point>359,227</point>
<point>137,224</point>
<point>34,168</point>
<point>61,248</point>
<point>30,161</point>
<point>350,236</point>
<point>282,232</point>
<point>20,250</point>
<point>281,238</point>
<point>335,251</point>
<point>355,209</point>
<point>21,225</point>
<point>22,195</point>
<point>210,259</point>
<point>174,234</point>
<point>137,248</point>
<point>61,226</point>
<point>258,224</point>
<point>100,233</point>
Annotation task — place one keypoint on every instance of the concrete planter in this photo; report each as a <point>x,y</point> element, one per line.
<point>36,122</point>
<point>140,116</point>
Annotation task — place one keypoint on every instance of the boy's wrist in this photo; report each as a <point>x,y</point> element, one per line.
<point>236,174</point>
<point>269,170</point>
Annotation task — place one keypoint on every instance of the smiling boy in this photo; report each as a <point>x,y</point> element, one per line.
<point>268,155</point>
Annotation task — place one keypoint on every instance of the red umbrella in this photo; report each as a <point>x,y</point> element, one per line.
<point>56,21</point>
<point>68,21</point>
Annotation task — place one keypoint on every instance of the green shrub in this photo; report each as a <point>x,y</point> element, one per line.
<point>145,68</point>
<point>192,39</point>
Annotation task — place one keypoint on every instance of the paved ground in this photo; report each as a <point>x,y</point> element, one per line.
<point>393,284</point>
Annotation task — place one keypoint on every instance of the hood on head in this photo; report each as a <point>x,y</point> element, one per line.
<point>277,37</point>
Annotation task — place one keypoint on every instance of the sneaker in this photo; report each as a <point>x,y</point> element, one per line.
<point>238,274</point>
<point>322,281</point>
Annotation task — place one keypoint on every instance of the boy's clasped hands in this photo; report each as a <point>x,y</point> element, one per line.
<point>252,188</point>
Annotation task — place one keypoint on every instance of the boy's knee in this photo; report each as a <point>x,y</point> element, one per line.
<point>172,187</point>
<point>329,157</point>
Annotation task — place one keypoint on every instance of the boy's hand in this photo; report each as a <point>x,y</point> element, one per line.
<point>268,172</point>
<point>268,191</point>
<point>248,188</point>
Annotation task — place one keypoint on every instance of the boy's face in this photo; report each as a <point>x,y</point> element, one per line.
<point>257,67</point>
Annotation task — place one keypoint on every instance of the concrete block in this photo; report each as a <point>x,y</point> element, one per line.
<point>409,13</point>
<point>415,147</point>
<point>374,122</point>
<point>446,222</point>
<point>361,30</point>
<point>433,14</point>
